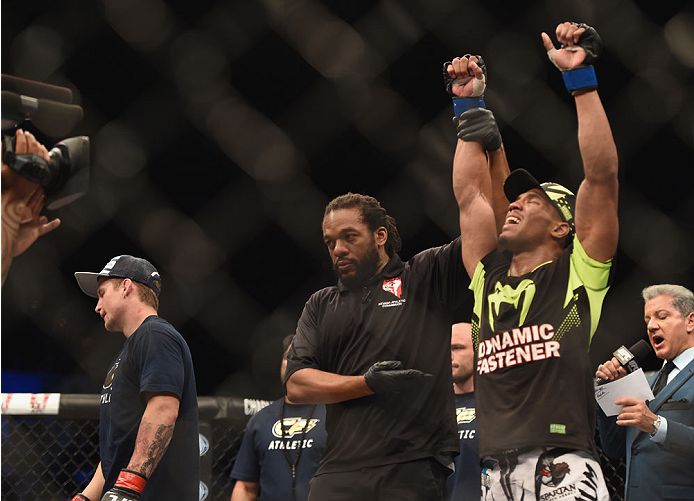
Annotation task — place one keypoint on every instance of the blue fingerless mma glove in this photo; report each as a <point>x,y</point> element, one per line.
<point>582,78</point>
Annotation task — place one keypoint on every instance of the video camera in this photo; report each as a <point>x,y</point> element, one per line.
<point>65,177</point>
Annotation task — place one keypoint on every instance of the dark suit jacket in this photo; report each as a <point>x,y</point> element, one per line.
<point>657,471</point>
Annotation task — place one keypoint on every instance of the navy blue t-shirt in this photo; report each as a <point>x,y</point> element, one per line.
<point>464,484</point>
<point>155,358</point>
<point>262,457</point>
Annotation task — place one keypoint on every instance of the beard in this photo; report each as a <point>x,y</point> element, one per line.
<point>111,326</point>
<point>462,374</point>
<point>364,269</point>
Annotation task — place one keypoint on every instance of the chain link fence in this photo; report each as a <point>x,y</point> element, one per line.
<point>53,457</point>
<point>615,472</point>
<point>47,458</point>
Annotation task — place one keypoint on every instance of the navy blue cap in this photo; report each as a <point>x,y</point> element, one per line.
<point>135,268</point>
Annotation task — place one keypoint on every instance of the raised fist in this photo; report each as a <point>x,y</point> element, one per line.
<point>580,46</point>
<point>465,76</point>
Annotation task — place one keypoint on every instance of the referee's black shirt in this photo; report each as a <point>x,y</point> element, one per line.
<point>404,313</point>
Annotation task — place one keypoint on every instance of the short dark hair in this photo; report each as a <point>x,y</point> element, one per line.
<point>372,214</point>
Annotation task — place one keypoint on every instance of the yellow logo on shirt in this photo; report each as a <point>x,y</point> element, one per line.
<point>465,414</point>
<point>111,374</point>
<point>293,426</point>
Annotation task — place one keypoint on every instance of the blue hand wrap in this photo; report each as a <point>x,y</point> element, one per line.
<point>580,79</point>
<point>462,104</point>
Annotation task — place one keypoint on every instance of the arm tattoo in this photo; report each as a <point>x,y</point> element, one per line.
<point>157,448</point>
<point>152,448</point>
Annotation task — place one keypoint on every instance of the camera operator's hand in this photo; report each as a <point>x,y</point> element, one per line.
<point>14,186</point>
<point>32,225</point>
<point>22,202</point>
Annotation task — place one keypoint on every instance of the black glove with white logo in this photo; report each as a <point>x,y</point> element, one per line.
<point>389,376</point>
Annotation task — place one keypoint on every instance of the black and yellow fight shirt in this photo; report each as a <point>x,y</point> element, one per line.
<point>531,334</point>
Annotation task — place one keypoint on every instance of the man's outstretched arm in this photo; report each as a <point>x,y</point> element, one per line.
<point>597,226</point>
<point>479,125</point>
<point>498,171</point>
<point>472,183</point>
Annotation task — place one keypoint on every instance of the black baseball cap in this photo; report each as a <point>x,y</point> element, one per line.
<point>135,268</point>
<point>563,199</point>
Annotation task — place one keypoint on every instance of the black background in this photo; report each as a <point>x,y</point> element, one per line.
<point>220,130</point>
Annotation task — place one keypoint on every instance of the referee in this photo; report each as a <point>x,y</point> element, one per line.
<point>375,347</point>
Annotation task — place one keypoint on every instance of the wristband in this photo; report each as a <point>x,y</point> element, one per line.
<point>128,479</point>
<point>462,104</point>
<point>580,79</point>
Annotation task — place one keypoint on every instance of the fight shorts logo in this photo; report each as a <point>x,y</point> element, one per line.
<point>550,473</point>
<point>293,426</point>
<point>394,286</point>
<point>465,414</point>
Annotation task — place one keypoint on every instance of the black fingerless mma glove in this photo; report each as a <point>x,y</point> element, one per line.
<point>479,125</point>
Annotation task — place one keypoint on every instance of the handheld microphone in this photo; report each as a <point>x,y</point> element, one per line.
<point>50,117</point>
<point>629,359</point>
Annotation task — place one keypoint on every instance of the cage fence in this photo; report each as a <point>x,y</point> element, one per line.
<point>54,456</point>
